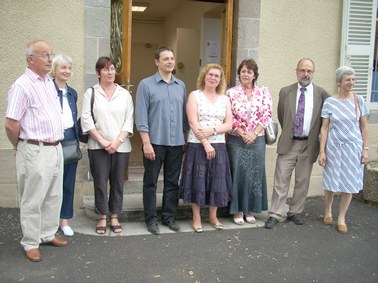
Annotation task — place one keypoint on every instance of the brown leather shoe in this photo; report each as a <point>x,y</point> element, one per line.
<point>58,242</point>
<point>33,255</point>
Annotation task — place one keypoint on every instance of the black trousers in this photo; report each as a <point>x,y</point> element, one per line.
<point>170,157</point>
<point>108,168</point>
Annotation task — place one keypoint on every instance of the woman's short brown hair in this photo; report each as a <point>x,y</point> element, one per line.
<point>251,65</point>
<point>103,62</point>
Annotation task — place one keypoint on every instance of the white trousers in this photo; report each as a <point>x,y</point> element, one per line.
<point>40,181</point>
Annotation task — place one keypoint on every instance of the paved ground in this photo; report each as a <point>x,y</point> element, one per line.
<point>289,253</point>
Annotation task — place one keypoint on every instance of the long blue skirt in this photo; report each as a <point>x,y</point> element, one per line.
<point>247,163</point>
<point>206,182</point>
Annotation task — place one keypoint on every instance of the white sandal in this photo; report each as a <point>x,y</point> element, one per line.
<point>250,219</point>
<point>239,220</point>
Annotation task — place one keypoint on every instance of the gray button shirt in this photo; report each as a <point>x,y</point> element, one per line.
<point>160,110</point>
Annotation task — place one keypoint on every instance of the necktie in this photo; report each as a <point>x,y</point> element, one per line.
<point>299,116</point>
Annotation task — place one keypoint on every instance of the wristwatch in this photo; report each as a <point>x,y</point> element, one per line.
<point>214,131</point>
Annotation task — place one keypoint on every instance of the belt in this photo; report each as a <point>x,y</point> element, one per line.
<point>300,138</point>
<point>40,142</point>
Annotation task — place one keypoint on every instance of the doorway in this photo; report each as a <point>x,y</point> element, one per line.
<point>198,31</point>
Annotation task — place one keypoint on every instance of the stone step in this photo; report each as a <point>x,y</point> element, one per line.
<point>133,208</point>
<point>133,200</point>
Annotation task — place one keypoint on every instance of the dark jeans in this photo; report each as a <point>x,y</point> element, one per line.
<point>69,178</point>
<point>106,168</point>
<point>170,157</point>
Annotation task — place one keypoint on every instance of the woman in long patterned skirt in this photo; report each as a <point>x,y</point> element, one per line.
<point>251,107</point>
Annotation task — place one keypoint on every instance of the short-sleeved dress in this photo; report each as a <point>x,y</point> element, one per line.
<point>343,171</point>
<point>207,182</point>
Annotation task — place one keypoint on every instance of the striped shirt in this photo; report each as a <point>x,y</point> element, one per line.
<point>35,104</point>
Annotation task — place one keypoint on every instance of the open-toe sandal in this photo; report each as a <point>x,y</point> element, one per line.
<point>101,230</point>
<point>239,220</point>
<point>115,228</point>
<point>250,219</point>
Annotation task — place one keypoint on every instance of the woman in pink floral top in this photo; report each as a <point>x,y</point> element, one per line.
<point>252,111</point>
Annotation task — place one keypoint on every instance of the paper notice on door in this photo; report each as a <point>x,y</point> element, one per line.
<point>212,52</point>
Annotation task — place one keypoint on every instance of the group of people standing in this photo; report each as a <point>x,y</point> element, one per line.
<point>219,170</point>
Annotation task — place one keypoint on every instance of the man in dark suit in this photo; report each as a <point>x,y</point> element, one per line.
<point>299,109</point>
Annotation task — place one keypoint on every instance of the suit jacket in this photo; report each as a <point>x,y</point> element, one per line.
<point>72,101</point>
<point>286,116</point>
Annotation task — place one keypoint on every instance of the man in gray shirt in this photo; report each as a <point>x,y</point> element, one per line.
<point>161,121</point>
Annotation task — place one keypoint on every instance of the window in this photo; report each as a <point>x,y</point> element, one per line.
<point>358,42</point>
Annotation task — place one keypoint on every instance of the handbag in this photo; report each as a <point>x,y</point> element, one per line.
<point>84,137</point>
<point>71,151</point>
<point>271,132</point>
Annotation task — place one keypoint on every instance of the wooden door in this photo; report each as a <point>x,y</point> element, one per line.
<point>227,45</point>
<point>121,16</point>
<point>121,47</point>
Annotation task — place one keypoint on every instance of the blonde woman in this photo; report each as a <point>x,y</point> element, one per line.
<point>206,176</point>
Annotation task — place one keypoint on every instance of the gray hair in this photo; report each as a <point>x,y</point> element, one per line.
<point>58,60</point>
<point>344,71</point>
<point>30,47</point>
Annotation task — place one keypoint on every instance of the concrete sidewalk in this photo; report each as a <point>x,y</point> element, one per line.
<point>313,252</point>
<point>83,225</point>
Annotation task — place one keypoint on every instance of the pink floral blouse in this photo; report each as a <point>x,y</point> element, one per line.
<point>259,109</point>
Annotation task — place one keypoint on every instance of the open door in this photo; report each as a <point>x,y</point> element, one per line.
<point>159,25</point>
<point>121,40</point>
<point>227,44</point>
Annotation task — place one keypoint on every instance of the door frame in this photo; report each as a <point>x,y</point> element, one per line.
<point>122,29</point>
<point>121,25</point>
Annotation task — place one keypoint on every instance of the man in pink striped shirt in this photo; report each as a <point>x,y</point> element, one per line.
<point>34,126</point>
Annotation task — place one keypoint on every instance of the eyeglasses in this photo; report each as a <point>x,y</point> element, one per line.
<point>213,75</point>
<point>303,71</point>
<point>44,55</point>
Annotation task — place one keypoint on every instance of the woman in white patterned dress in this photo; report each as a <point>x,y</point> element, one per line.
<point>343,145</point>
<point>206,176</point>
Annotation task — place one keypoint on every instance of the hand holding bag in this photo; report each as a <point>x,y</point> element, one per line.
<point>271,132</point>
<point>71,151</point>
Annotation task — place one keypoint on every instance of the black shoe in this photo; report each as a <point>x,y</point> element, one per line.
<point>296,218</point>
<point>271,222</point>
<point>171,224</point>
<point>153,228</point>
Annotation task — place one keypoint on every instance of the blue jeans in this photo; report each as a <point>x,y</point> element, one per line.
<point>170,157</point>
<point>69,178</point>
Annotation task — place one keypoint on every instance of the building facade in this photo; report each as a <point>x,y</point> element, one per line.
<point>275,33</point>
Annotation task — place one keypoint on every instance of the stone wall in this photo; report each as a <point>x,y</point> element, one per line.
<point>97,36</point>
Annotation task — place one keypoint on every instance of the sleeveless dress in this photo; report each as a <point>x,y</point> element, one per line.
<point>343,171</point>
<point>207,182</point>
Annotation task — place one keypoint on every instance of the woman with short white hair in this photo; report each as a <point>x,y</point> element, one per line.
<point>343,145</point>
<point>61,72</point>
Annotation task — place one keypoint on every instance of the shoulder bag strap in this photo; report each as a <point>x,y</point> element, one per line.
<point>92,102</point>
<point>356,105</point>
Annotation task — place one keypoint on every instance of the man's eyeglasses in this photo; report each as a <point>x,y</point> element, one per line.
<point>303,71</point>
<point>44,55</point>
